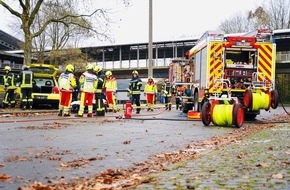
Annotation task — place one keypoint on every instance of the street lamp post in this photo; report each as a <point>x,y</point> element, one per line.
<point>150,53</point>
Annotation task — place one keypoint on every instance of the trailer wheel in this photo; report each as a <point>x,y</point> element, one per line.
<point>238,115</point>
<point>248,98</point>
<point>205,114</point>
<point>274,99</point>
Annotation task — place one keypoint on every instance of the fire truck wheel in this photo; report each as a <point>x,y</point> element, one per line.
<point>274,99</point>
<point>238,115</point>
<point>248,98</point>
<point>205,114</point>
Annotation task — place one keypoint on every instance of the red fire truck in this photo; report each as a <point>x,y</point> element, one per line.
<point>233,77</point>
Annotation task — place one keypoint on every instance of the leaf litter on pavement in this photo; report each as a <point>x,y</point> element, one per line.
<point>142,172</point>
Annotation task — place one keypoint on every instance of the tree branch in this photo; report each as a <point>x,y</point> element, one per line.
<point>35,11</point>
<point>12,11</point>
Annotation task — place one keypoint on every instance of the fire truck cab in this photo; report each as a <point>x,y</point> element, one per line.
<point>235,76</point>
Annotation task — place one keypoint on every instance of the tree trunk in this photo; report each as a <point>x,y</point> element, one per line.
<point>27,46</point>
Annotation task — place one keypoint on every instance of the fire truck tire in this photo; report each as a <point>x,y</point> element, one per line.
<point>248,98</point>
<point>205,114</point>
<point>274,99</point>
<point>238,115</point>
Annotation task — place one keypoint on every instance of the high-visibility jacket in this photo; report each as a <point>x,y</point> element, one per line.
<point>67,81</point>
<point>88,82</point>
<point>25,78</point>
<point>135,85</point>
<point>9,81</point>
<point>100,83</point>
<point>111,84</point>
<point>150,88</point>
<point>166,90</point>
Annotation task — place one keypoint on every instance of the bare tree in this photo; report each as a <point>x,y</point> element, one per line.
<point>28,14</point>
<point>274,14</point>
<point>279,13</point>
<point>237,23</point>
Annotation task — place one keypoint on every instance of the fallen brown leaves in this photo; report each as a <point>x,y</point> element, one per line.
<point>12,113</point>
<point>123,178</point>
<point>4,177</point>
<point>47,126</point>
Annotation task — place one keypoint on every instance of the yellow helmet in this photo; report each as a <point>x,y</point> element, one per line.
<point>89,67</point>
<point>135,72</point>
<point>7,68</point>
<point>108,73</point>
<point>97,68</point>
<point>70,68</point>
<point>150,78</point>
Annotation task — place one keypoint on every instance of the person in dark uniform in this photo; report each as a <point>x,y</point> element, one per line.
<point>25,78</point>
<point>134,90</point>
<point>9,86</point>
<point>167,92</point>
<point>99,94</point>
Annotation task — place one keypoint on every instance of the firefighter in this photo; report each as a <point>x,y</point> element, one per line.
<point>66,83</point>
<point>99,94</point>
<point>9,86</point>
<point>180,90</point>
<point>134,90</point>
<point>25,78</point>
<point>166,91</point>
<point>88,82</point>
<point>111,87</point>
<point>150,90</point>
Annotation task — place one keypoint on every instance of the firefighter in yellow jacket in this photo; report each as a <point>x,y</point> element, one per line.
<point>150,90</point>
<point>9,86</point>
<point>88,82</point>
<point>111,87</point>
<point>66,83</point>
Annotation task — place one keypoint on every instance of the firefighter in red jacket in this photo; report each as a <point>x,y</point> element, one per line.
<point>88,82</point>
<point>66,83</point>
<point>150,90</point>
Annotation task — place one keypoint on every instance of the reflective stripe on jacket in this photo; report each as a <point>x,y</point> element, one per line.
<point>135,85</point>
<point>150,88</point>
<point>67,81</point>
<point>111,84</point>
<point>88,82</point>
<point>26,78</point>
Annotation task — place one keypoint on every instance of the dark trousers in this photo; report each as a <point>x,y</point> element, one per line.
<point>99,102</point>
<point>136,99</point>
<point>26,99</point>
<point>9,98</point>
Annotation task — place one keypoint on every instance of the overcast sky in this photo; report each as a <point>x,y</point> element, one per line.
<point>172,19</point>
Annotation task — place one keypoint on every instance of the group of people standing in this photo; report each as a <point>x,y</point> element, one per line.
<point>94,86</point>
<point>25,78</point>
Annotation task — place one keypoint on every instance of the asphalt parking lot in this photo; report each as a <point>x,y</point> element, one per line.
<point>45,148</point>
